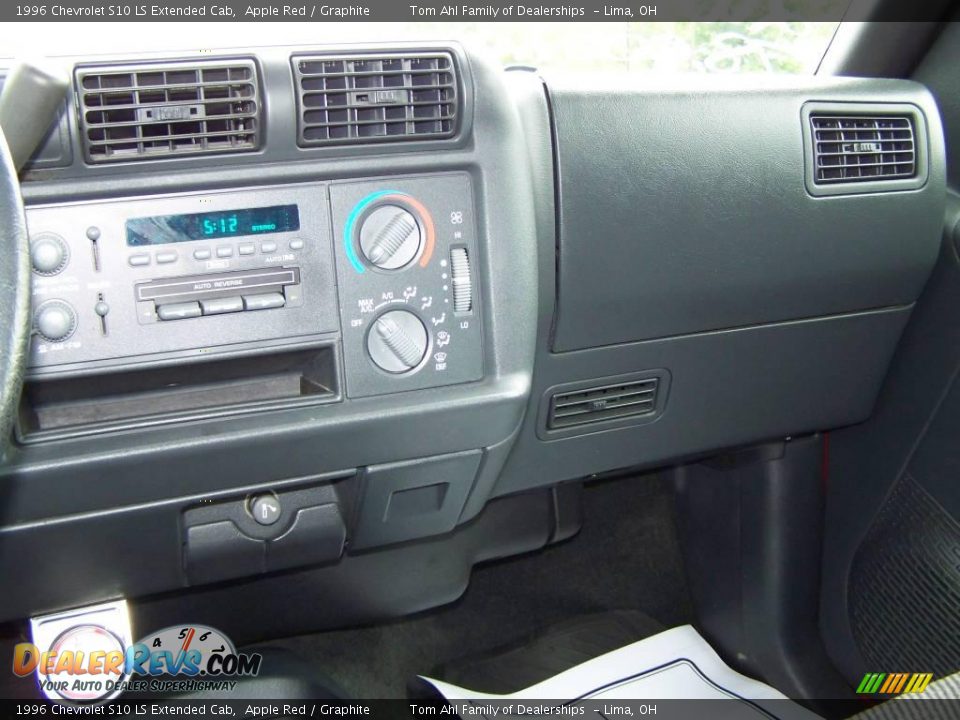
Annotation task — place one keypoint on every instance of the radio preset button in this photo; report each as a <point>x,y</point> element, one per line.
<point>168,256</point>
<point>179,311</point>
<point>201,254</point>
<point>146,312</point>
<point>268,247</point>
<point>224,251</point>
<point>218,306</point>
<point>294,294</point>
<point>247,249</point>
<point>139,260</point>
<point>265,301</point>
<point>296,244</point>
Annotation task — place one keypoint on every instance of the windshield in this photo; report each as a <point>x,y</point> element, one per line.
<point>661,47</point>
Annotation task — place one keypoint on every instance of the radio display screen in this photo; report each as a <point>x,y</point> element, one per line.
<point>164,229</point>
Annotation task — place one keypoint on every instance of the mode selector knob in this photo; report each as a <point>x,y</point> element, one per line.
<point>397,341</point>
<point>48,254</point>
<point>55,320</point>
<point>390,237</point>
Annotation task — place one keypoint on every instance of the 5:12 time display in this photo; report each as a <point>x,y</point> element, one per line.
<point>213,227</point>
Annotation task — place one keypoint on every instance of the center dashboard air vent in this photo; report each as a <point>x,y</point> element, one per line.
<point>859,148</point>
<point>353,99</point>
<point>158,110</point>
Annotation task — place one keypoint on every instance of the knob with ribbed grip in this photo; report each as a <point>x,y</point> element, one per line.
<point>390,237</point>
<point>55,320</point>
<point>48,254</point>
<point>397,341</point>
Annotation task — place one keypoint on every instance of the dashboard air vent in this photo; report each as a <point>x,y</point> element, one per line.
<point>147,111</point>
<point>607,402</point>
<point>375,98</point>
<point>850,148</point>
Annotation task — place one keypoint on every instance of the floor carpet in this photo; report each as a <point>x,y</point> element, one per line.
<point>625,557</point>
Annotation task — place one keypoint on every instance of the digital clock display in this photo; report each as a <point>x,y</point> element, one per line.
<point>164,229</point>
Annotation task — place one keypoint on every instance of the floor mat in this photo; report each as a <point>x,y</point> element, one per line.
<point>676,664</point>
<point>545,654</point>
<point>626,557</point>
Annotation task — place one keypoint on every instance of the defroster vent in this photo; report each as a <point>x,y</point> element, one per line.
<point>602,403</point>
<point>851,148</point>
<point>148,111</point>
<point>375,98</point>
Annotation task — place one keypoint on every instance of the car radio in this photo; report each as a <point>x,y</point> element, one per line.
<point>387,265</point>
<point>121,279</point>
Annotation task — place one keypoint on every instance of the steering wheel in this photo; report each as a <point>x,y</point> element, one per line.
<point>14,294</point>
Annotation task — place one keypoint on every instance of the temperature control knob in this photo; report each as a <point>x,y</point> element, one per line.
<point>397,341</point>
<point>48,254</point>
<point>390,237</point>
<point>55,320</point>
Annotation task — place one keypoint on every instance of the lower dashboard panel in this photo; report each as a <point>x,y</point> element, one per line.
<point>727,389</point>
<point>198,540</point>
<point>371,586</point>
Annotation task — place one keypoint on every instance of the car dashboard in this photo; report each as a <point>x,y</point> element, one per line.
<point>338,323</point>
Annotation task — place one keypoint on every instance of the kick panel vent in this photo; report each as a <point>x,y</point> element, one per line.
<point>375,98</point>
<point>149,111</point>
<point>852,148</point>
<point>600,404</point>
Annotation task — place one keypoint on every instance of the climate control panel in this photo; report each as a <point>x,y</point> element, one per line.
<point>406,265</point>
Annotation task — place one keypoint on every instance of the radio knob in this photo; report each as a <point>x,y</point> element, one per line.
<point>55,320</point>
<point>390,237</point>
<point>48,254</point>
<point>397,341</point>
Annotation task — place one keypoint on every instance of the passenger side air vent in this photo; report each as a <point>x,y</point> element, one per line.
<point>602,403</point>
<point>149,111</point>
<point>375,98</point>
<point>859,148</point>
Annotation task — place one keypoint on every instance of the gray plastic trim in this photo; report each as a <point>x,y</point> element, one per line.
<point>279,149</point>
<point>704,222</point>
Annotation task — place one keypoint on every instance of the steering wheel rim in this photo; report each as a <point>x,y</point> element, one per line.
<point>14,294</point>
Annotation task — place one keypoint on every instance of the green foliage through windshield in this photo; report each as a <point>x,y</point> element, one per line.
<point>711,47</point>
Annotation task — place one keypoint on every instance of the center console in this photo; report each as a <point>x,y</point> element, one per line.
<point>279,341</point>
<point>378,276</point>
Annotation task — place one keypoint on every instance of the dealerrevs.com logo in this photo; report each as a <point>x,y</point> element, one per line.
<point>88,663</point>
